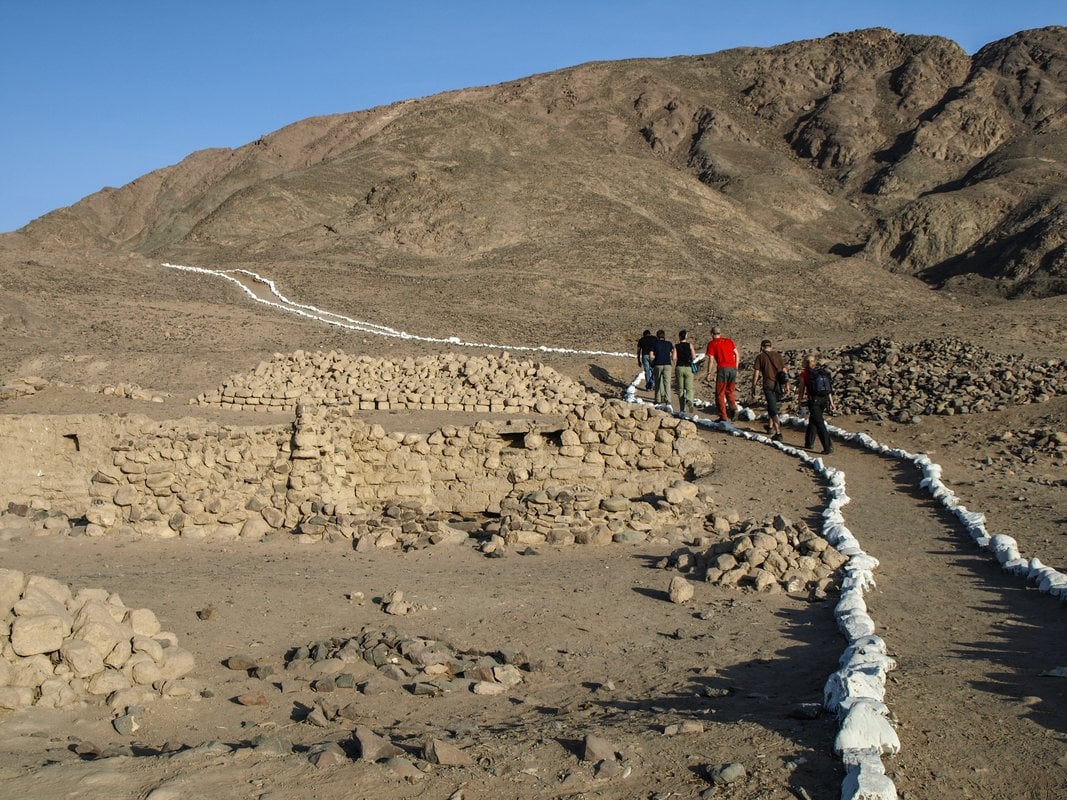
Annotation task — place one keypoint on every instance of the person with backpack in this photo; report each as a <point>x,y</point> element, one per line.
<point>816,387</point>
<point>769,373</point>
<point>683,373</point>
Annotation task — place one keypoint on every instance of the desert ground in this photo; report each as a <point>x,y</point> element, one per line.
<point>609,654</point>
<point>886,201</point>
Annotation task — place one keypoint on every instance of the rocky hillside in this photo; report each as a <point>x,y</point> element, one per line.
<point>898,150</point>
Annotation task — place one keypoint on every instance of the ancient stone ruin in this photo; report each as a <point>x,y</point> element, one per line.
<point>498,384</point>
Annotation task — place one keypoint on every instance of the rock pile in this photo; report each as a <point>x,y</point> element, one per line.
<point>424,666</point>
<point>443,382</point>
<point>59,648</point>
<point>1032,445</point>
<point>31,385</point>
<point>565,515</point>
<point>408,525</point>
<point>766,557</point>
<point>884,379</point>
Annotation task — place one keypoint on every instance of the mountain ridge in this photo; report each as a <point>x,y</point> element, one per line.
<point>899,149</point>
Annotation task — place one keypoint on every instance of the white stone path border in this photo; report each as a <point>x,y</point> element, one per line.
<point>1005,548</point>
<point>856,691</point>
<point>283,303</point>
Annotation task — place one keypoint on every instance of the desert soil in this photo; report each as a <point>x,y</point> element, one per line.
<point>614,657</point>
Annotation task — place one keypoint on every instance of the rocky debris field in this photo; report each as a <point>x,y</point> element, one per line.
<point>30,385</point>
<point>767,557</point>
<point>887,380</point>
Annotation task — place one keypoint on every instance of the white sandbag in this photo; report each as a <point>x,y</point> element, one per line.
<point>865,728</point>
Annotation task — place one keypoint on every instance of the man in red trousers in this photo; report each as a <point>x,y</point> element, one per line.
<point>723,359</point>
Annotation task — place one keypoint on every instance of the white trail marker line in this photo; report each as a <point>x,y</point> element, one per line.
<point>283,303</point>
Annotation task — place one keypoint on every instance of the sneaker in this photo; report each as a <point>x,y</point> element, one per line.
<point>776,438</point>
<point>828,450</point>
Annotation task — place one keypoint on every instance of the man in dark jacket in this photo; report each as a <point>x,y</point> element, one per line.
<point>819,399</point>
<point>662,363</point>
<point>644,356</point>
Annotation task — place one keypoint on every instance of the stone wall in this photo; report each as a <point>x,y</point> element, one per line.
<point>249,481</point>
<point>48,459</point>
<point>190,479</point>
<point>444,382</point>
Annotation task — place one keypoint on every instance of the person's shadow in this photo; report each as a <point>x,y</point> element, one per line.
<point>606,378</point>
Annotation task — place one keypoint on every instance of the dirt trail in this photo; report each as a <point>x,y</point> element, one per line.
<point>969,683</point>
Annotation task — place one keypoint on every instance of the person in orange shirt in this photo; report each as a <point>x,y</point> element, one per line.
<point>723,359</point>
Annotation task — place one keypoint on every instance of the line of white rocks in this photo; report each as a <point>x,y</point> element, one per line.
<point>283,303</point>
<point>856,691</point>
<point>1004,548</point>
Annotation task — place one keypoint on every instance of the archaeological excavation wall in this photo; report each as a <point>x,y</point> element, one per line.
<point>195,479</point>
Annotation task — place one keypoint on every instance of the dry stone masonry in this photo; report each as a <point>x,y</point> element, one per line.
<point>60,648</point>
<point>331,474</point>
<point>443,382</point>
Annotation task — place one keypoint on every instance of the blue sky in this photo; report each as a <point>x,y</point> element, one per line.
<point>95,93</point>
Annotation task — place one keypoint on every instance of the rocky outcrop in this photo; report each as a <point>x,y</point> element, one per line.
<point>866,141</point>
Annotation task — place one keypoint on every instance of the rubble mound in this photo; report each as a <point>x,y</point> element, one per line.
<point>885,379</point>
<point>764,557</point>
<point>59,648</point>
<point>443,382</point>
<point>423,665</point>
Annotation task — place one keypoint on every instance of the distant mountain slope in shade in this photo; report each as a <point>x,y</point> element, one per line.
<point>901,150</point>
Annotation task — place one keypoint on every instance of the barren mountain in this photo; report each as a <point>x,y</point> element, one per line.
<point>901,149</point>
<point>852,195</point>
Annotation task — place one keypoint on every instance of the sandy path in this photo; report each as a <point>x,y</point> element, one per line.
<point>970,640</point>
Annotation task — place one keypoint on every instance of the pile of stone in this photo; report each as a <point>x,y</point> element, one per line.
<point>22,387</point>
<point>584,515</point>
<point>763,556</point>
<point>1032,445</point>
<point>31,385</point>
<point>59,648</point>
<point>406,525</point>
<point>424,666</point>
<point>441,382</point>
<point>887,380</point>
<point>28,519</point>
<point>131,391</point>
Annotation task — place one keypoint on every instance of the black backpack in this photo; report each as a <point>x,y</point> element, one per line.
<point>821,385</point>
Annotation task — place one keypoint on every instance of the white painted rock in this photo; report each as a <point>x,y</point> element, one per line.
<point>865,728</point>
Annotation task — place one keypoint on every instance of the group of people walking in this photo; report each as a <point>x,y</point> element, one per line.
<point>660,358</point>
